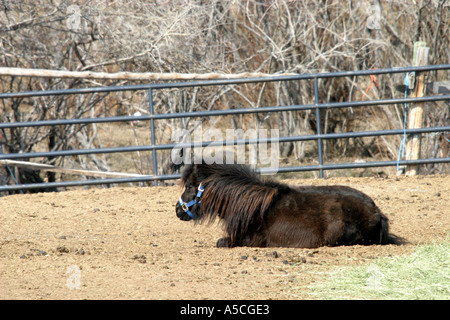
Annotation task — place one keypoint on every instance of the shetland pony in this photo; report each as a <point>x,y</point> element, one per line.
<point>265,213</point>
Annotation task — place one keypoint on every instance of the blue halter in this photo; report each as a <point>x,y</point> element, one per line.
<point>186,206</point>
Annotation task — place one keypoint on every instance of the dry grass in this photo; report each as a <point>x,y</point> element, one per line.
<point>423,275</point>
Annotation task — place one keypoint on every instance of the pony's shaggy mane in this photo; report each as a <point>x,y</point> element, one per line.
<point>237,195</point>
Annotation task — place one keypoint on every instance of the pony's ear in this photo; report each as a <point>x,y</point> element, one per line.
<point>186,173</point>
<point>199,172</point>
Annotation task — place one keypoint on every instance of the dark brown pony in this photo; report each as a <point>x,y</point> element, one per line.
<point>266,213</point>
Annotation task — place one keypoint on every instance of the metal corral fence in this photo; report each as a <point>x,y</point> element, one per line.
<point>152,117</point>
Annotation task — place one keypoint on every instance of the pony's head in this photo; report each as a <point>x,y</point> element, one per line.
<point>194,179</point>
<point>188,205</point>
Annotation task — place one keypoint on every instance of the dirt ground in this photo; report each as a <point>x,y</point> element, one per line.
<point>127,243</point>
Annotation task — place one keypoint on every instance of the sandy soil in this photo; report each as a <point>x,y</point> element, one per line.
<point>127,243</point>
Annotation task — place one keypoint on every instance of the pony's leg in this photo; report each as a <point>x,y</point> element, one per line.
<point>255,241</point>
<point>224,242</point>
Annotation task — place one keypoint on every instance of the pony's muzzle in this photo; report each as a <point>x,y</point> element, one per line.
<point>181,213</point>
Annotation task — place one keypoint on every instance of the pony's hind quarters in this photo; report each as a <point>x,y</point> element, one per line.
<point>266,213</point>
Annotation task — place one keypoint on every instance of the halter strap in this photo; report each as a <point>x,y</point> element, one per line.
<point>185,206</point>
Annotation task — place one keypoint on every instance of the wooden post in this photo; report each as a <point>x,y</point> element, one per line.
<point>415,115</point>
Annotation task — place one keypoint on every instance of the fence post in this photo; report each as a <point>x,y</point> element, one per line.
<point>318,125</point>
<point>152,129</point>
<point>415,118</point>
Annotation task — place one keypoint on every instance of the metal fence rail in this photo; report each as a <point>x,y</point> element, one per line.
<point>152,117</point>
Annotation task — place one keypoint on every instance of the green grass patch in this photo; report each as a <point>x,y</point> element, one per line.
<point>422,275</point>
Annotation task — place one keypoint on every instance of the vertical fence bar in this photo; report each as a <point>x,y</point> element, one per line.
<point>152,129</point>
<point>318,124</point>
